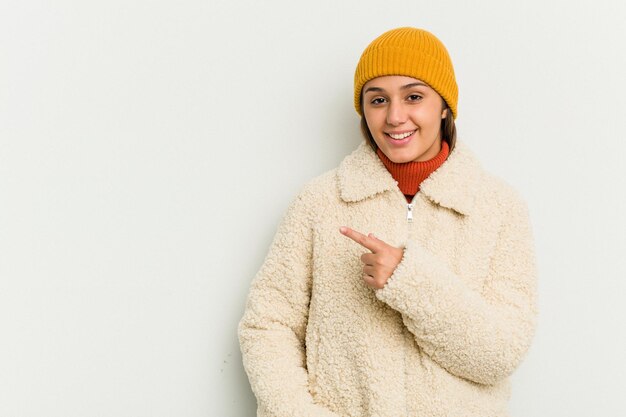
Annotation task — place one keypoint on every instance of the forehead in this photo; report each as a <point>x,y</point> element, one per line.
<point>393,82</point>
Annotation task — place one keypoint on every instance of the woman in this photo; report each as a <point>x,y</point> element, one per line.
<point>403,282</point>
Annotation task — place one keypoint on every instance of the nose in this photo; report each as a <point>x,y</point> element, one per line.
<point>396,114</point>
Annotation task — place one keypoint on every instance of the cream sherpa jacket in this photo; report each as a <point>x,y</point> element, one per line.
<point>440,339</point>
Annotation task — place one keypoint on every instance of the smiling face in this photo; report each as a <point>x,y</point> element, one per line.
<point>404,116</point>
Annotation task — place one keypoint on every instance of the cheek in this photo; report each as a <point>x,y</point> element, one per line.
<point>427,119</point>
<point>372,118</point>
<point>371,125</point>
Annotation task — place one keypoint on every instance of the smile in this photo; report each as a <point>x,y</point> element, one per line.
<point>400,136</point>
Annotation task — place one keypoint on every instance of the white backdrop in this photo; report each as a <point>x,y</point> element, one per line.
<point>148,150</point>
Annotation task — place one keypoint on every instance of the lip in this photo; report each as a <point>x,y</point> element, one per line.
<point>400,142</point>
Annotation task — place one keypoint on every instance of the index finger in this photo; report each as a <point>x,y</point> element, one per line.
<point>359,238</point>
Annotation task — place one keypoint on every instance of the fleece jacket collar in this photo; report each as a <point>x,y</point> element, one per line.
<point>454,185</point>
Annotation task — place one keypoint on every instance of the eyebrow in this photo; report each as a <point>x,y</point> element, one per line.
<point>404,87</point>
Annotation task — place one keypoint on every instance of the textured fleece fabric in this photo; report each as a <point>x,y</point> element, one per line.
<point>441,338</point>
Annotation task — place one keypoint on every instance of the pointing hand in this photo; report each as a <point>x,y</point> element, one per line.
<point>378,265</point>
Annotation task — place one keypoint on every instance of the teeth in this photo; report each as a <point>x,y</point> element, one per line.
<point>401,136</point>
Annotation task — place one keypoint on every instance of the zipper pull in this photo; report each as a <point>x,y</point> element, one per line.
<point>409,212</point>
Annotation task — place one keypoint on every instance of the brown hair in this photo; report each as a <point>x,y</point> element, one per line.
<point>448,129</point>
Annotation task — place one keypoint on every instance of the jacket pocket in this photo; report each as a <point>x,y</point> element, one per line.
<point>312,357</point>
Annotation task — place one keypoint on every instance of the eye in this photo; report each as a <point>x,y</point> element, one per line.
<point>414,97</point>
<point>378,100</point>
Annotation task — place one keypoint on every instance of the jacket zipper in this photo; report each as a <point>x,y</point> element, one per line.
<point>409,207</point>
<point>409,219</point>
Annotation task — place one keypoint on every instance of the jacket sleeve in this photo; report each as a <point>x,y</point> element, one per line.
<point>480,336</point>
<point>272,330</point>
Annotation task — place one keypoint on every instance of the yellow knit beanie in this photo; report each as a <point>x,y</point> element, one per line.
<point>411,52</point>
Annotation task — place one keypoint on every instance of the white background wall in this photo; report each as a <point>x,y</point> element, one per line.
<point>148,150</point>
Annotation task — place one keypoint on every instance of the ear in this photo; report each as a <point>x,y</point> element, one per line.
<point>444,114</point>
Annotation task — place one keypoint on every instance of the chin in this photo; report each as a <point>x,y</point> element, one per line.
<point>400,157</point>
<point>400,160</point>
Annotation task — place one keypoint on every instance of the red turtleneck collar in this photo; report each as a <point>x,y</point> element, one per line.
<point>411,174</point>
